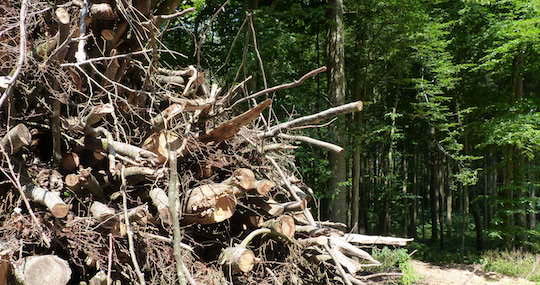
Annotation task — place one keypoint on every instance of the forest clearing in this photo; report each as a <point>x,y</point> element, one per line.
<point>269,142</point>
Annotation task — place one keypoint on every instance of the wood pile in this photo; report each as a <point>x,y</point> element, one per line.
<point>117,169</point>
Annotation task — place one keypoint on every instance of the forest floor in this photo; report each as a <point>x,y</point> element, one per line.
<point>461,274</point>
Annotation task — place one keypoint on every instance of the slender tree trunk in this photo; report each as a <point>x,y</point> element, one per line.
<point>508,198</point>
<point>531,217</point>
<point>434,190</point>
<point>413,208</point>
<point>440,192</point>
<point>449,201</point>
<point>405,190</point>
<point>336,95</point>
<point>355,203</point>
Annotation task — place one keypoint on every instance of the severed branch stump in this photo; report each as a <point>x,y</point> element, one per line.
<point>41,270</point>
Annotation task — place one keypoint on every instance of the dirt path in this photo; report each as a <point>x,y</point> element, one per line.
<point>461,275</point>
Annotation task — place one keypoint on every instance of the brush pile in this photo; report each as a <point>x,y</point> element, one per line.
<point>118,170</point>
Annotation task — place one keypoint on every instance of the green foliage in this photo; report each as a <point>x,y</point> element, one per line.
<point>394,260</point>
<point>439,81</point>
<point>519,130</point>
<point>517,263</point>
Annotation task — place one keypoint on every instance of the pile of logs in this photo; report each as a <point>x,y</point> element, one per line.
<point>118,170</point>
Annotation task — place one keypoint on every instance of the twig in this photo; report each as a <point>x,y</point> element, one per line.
<point>282,86</point>
<point>256,47</point>
<point>383,274</point>
<point>22,52</point>
<point>232,45</point>
<point>12,176</point>
<point>109,265</point>
<point>165,239</point>
<point>177,14</point>
<point>128,230</point>
<point>173,200</point>
<point>105,58</point>
<point>316,142</point>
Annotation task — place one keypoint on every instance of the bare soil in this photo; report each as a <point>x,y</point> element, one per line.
<point>460,274</point>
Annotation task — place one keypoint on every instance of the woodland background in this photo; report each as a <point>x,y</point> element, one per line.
<point>437,140</point>
<point>446,148</point>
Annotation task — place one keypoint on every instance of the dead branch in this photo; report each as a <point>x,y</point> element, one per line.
<point>232,126</point>
<point>315,142</point>
<point>16,138</point>
<point>52,200</point>
<point>311,119</point>
<point>282,86</point>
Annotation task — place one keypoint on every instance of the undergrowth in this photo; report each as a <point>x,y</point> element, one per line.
<point>393,260</point>
<point>516,263</point>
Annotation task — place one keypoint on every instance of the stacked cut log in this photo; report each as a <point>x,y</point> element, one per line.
<point>121,170</point>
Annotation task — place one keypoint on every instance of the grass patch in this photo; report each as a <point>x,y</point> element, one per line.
<point>393,260</point>
<point>516,263</point>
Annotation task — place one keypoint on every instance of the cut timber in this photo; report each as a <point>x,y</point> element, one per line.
<point>101,212</point>
<point>44,269</point>
<point>134,152</point>
<point>237,259</point>
<point>16,138</point>
<point>243,178</point>
<point>159,143</point>
<point>90,182</point>
<point>160,200</point>
<point>274,208</point>
<point>283,225</point>
<point>84,180</point>
<point>107,34</point>
<point>315,142</point>
<point>102,11</point>
<point>172,80</point>
<point>211,203</point>
<point>49,179</point>
<point>229,128</point>
<point>160,121</point>
<point>263,187</point>
<point>97,114</point>
<point>371,240</point>
<point>51,200</point>
<point>314,231</point>
<point>338,243</point>
<point>99,279</point>
<point>70,161</point>
<point>181,105</point>
<point>350,264</point>
<point>253,221</point>
<point>139,170</point>
<point>315,118</point>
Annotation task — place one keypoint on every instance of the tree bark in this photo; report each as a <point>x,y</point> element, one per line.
<point>433,196</point>
<point>336,95</point>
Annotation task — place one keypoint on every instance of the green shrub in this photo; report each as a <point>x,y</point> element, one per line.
<point>517,263</point>
<point>393,260</point>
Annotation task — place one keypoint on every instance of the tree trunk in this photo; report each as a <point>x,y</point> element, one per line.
<point>336,95</point>
<point>355,201</point>
<point>413,206</point>
<point>434,199</point>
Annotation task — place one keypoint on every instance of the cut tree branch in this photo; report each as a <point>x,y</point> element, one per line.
<point>282,86</point>
<point>324,115</point>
